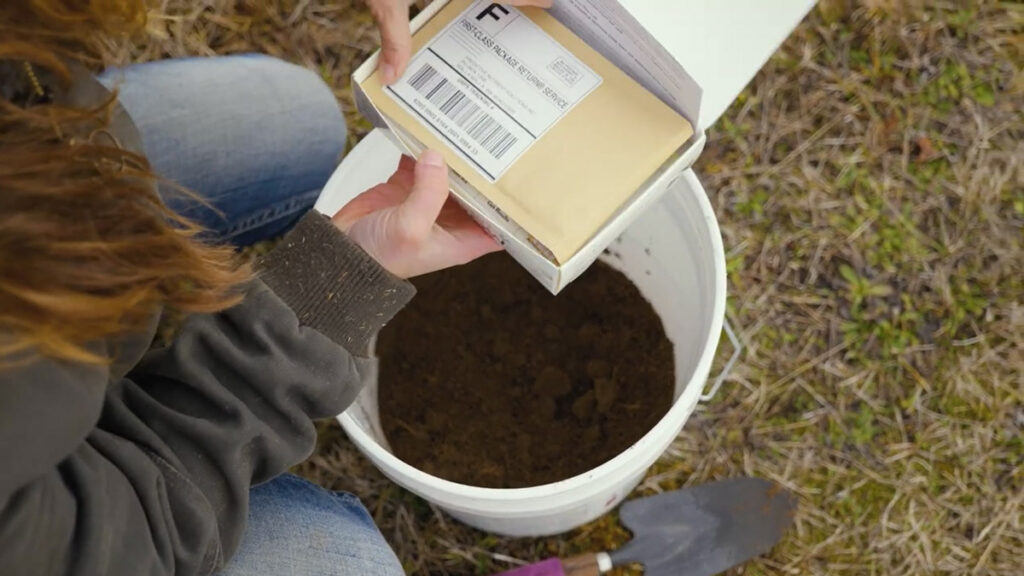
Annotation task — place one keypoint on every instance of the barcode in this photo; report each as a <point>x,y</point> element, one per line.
<point>464,112</point>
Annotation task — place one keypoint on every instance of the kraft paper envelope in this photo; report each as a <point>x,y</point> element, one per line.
<point>568,183</point>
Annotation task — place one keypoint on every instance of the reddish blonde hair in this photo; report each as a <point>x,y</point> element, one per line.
<point>87,249</point>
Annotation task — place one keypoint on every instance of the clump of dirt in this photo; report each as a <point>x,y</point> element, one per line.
<point>489,380</point>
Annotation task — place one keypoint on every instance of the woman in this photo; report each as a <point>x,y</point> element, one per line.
<point>117,459</point>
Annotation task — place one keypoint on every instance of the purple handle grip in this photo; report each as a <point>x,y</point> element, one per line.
<point>549,567</point>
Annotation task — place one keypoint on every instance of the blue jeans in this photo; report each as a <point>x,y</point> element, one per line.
<point>299,529</point>
<point>257,138</point>
<point>254,136</point>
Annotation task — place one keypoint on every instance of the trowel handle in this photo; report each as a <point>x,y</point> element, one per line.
<point>584,565</point>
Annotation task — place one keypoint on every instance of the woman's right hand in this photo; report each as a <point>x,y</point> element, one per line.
<point>409,225</point>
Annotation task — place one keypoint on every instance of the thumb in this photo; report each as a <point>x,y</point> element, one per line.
<point>429,192</point>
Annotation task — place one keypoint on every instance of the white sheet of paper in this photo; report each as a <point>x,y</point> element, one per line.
<point>611,30</point>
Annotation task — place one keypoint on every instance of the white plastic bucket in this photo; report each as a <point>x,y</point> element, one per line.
<point>674,255</point>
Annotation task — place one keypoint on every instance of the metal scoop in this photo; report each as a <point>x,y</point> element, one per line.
<point>697,531</point>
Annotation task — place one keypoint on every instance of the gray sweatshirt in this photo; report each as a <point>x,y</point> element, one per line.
<point>144,467</point>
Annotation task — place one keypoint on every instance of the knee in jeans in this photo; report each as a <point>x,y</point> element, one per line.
<point>300,83</point>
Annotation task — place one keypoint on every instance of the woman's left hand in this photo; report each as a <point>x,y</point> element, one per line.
<point>409,225</point>
<point>392,18</point>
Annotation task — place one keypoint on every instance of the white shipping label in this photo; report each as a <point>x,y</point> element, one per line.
<point>491,84</point>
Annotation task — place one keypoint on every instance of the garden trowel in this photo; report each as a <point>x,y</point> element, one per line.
<point>697,531</point>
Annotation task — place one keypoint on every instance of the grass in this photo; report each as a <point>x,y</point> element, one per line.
<point>870,190</point>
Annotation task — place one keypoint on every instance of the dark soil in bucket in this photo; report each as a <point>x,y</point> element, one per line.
<point>489,380</point>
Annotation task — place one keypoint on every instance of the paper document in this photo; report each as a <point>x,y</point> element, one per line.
<point>492,85</point>
<point>553,136</point>
<point>608,28</point>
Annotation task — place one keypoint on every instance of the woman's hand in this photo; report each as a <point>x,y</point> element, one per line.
<point>392,18</point>
<point>409,225</point>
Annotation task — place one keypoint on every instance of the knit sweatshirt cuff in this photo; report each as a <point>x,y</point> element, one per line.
<point>332,285</point>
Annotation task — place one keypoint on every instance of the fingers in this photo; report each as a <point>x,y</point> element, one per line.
<point>481,243</point>
<point>355,209</point>
<point>368,202</point>
<point>381,196</point>
<point>417,214</point>
<point>405,174</point>
<point>474,242</point>
<point>392,18</point>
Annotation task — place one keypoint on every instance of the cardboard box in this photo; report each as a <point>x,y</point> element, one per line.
<point>610,30</point>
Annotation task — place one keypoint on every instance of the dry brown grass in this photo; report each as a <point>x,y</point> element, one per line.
<point>869,186</point>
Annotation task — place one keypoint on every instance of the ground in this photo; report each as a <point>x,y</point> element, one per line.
<point>870,191</point>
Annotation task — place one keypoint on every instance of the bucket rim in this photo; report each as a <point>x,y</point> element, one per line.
<point>586,481</point>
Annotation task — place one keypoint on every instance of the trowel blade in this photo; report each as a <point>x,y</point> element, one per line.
<point>706,529</point>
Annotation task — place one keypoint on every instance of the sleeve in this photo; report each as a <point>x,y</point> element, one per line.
<point>151,474</point>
